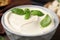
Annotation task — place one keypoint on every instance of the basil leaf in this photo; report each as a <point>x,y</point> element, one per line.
<point>27,13</point>
<point>46,21</point>
<point>58,1</point>
<point>2,38</point>
<point>37,12</point>
<point>18,11</point>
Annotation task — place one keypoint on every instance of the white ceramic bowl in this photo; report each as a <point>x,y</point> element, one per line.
<point>56,20</point>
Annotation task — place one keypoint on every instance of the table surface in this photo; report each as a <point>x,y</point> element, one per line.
<point>23,2</point>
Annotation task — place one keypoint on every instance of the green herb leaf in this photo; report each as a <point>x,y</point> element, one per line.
<point>2,38</point>
<point>46,21</point>
<point>18,11</point>
<point>58,0</point>
<point>27,13</point>
<point>37,12</point>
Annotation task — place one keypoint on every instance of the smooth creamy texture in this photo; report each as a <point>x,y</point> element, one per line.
<point>32,26</point>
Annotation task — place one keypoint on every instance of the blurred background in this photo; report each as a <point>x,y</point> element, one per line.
<point>7,4</point>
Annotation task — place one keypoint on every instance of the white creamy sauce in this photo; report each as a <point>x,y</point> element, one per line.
<point>18,24</point>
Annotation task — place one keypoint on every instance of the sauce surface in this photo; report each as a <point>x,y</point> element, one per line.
<point>32,26</point>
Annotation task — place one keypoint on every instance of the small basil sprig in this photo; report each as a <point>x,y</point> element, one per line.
<point>37,12</point>
<point>2,38</point>
<point>58,1</point>
<point>27,13</point>
<point>46,21</point>
<point>18,11</point>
